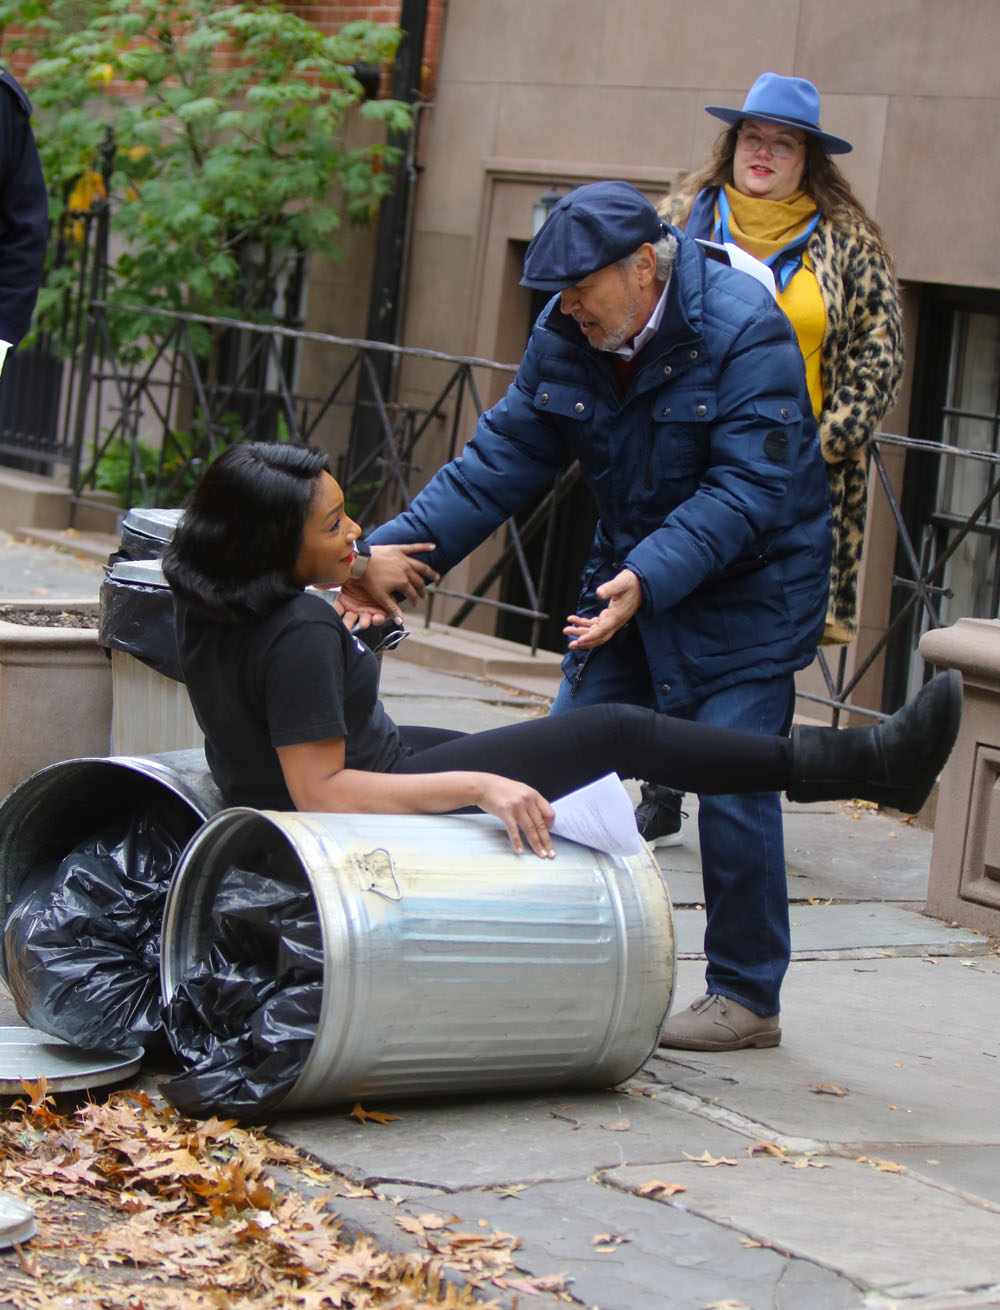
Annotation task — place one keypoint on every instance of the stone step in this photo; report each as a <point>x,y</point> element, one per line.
<point>91,545</point>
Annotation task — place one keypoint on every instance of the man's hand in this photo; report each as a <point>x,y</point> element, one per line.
<point>624,596</point>
<point>369,599</point>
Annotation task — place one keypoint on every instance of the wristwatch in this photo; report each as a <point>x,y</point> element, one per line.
<point>362,554</point>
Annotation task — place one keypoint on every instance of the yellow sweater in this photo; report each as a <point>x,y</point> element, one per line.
<point>763,228</point>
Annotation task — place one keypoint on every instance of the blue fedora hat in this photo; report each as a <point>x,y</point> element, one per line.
<point>789,100</point>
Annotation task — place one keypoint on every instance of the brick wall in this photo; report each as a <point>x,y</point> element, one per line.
<point>330,17</point>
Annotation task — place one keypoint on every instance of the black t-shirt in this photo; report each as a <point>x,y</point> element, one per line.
<point>297,676</point>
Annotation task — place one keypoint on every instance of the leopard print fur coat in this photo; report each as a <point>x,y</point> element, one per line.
<point>861,368</point>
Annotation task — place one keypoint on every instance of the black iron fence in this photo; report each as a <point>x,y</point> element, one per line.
<point>160,420</point>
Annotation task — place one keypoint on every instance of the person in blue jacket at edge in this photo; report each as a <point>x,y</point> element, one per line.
<point>24,215</point>
<point>678,384</point>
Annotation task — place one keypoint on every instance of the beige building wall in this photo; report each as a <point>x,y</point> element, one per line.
<point>532,92</point>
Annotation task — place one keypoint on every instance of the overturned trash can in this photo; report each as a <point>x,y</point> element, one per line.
<point>312,959</point>
<point>87,851</point>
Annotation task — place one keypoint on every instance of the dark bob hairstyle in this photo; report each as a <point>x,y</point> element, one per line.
<point>233,554</point>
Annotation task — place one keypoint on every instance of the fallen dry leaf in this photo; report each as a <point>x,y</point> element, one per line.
<point>708,1161</point>
<point>654,1186</point>
<point>372,1116</point>
<point>140,1208</point>
<point>888,1166</point>
<point>605,1243</point>
<point>828,1089</point>
<point>766,1148</point>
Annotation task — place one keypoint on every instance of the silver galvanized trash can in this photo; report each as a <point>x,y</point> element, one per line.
<point>450,964</point>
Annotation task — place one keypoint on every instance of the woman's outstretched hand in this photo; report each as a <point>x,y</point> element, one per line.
<point>520,809</point>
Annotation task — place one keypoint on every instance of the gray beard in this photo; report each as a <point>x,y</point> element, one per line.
<point>615,340</point>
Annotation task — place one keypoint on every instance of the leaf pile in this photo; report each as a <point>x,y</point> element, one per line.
<point>137,1207</point>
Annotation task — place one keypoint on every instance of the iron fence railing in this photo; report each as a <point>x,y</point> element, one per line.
<point>175,406</point>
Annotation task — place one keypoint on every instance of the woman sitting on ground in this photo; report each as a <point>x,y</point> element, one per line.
<point>287,696</point>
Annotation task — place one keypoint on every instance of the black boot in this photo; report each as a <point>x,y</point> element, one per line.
<point>893,764</point>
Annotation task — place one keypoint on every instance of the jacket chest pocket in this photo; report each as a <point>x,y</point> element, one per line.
<point>564,401</point>
<point>680,437</point>
<point>573,408</point>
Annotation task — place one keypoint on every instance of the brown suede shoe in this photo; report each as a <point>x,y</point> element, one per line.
<point>715,1023</point>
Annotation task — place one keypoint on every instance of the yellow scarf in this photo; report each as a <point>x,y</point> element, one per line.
<point>762,228</point>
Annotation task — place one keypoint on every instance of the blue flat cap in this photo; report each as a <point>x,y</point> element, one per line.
<point>592,227</point>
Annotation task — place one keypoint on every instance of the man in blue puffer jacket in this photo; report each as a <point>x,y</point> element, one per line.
<point>678,384</point>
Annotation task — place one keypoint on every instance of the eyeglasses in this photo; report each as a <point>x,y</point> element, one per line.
<point>781,147</point>
<point>391,640</point>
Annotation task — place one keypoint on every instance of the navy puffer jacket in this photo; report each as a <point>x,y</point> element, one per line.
<point>707,474</point>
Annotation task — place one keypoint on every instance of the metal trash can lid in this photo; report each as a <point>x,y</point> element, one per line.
<point>17,1220</point>
<point>156,523</point>
<point>26,1054</point>
<point>148,572</point>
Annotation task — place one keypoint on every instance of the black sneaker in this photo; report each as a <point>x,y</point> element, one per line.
<point>658,816</point>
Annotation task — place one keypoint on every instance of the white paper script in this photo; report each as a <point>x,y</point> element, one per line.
<point>599,815</point>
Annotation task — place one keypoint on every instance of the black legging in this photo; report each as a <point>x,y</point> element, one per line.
<point>561,752</point>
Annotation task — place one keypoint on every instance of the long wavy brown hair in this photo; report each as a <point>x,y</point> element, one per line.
<point>822,181</point>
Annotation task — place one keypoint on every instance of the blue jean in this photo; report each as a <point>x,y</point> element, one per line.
<point>747,940</point>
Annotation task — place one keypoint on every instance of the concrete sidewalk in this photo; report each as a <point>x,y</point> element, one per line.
<point>856,1165</point>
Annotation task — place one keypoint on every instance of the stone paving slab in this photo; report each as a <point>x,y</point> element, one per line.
<point>972,1170</point>
<point>886,1231</point>
<point>624,1253</point>
<point>851,932</point>
<point>457,1144</point>
<point>899,1036</point>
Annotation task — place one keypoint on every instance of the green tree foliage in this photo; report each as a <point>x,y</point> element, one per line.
<point>231,123</point>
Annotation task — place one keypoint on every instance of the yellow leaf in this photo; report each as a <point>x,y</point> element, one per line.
<point>709,1161</point>
<point>372,1116</point>
<point>89,187</point>
<point>888,1166</point>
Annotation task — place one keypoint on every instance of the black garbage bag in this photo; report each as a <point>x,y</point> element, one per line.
<point>244,1019</point>
<point>82,939</point>
<point>139,620</point>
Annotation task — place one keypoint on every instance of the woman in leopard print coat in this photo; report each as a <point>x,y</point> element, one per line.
<point>860,360</point>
